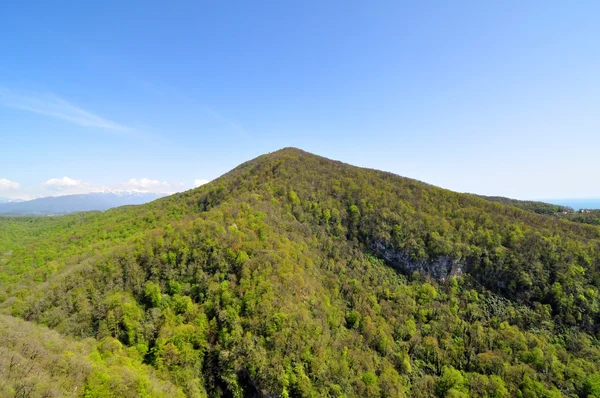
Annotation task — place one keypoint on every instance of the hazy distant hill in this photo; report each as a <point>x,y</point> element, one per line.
<point>10,200</point>
<point>534,206</point>
<point>76,203</point>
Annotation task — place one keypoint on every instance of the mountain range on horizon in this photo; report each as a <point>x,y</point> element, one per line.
<point>107,199</point>
<point>11,200</point>
<point>94,201</point>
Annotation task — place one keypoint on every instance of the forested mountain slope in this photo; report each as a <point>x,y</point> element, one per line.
<point>584,216</point>
<point>534,206</point>
<point>295,275</point>
<point>35,361</point>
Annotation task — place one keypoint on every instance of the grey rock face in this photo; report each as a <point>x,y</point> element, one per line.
<point>440,269</point>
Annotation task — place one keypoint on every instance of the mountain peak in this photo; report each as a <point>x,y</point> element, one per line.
<point>345,280</point>
<point>290,149</point>
<point>292,152</point>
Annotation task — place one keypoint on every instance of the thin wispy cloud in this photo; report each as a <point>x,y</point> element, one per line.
<point>164,89</point>
<point>50,105</point>
<point>234,125</point>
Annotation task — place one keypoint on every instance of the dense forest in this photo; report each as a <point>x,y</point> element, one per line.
<point>534,206</point>
<point>298,276</point>
<point>584,216</point>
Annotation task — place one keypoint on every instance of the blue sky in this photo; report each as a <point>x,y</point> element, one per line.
<point>497,98</point>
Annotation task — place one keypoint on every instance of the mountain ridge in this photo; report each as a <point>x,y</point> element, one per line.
<point>295,275</point>
<point>63,204</point>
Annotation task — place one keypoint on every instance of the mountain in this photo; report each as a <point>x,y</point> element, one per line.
<point>584,215</point>
<point>294,275</point>
<point>36,361</point>
<point>10,200</point>
<point>76,203</point>
<point>536,207</point>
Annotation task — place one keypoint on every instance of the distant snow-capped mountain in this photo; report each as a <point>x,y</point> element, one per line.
<point>75,203</point>
<point>10,200</point>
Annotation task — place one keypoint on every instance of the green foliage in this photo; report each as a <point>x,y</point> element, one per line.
<point>585,216</point>
<point>591,385</point>
<point>38,362</point>
<point>152,294</point>
<point>536,207</point>
<point>451,383</point>
<point>297,276</point>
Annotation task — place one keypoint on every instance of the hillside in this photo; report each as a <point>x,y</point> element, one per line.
<point>35,361</point>
<point>294,275</point>
<point>586,217</point>
<point>534,206</point>
<point>583,216</point>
